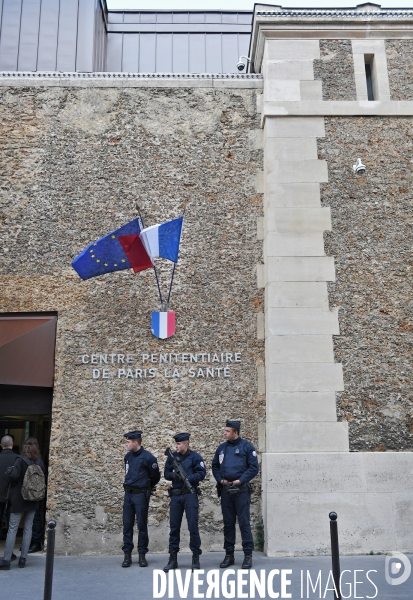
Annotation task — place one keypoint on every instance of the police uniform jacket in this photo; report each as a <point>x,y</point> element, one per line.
<point>193,465</point>
<point>234,460</point>
<point>141,469</point>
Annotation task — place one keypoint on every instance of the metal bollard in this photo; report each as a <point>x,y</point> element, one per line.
<point>335,553</point>
<point>48,576</point>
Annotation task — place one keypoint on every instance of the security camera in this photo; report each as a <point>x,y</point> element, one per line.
<point>359,168</point>
<point>241,65</point>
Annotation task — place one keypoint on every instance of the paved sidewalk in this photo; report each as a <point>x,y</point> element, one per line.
<point>102,578</point>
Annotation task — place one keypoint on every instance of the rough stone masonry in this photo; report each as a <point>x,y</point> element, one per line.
<point>75,160</point>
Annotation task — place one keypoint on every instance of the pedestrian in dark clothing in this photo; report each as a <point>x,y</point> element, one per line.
<point>37,530</point>
<point>7,458</point>
<point>234,465</point>
<point>19,506</point>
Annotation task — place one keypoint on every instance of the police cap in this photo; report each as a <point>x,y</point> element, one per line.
<point>233,424</point>
<point>182,437</point>
<point>133,435</point>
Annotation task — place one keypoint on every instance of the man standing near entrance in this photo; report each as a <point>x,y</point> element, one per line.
<point>141,475</point>
<point>7,459</point>
<point>184,499</point>
<point>234,465</point>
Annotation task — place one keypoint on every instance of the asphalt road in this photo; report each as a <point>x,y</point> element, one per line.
<point>102,578</point>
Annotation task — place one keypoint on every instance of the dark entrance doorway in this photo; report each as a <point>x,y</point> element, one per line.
<point>26,412</point>
<point>27,346</point>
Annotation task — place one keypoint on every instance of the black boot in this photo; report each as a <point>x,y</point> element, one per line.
<point>5,565</point>
<point>22,562</point>
<point>173,561</point>
<point>36,547</point>
<point>247,562</point>
<point>228,561</point>
<point>195,561</point>
<point>142,560</point>
<point>127,561</point>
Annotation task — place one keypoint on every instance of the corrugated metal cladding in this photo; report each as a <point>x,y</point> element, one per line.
<point>52,35</point>
<point>177,42</point>
<point>82,35</point>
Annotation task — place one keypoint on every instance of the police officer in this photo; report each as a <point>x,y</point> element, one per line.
<point>182,500</point>
<point>141,475</point>
<point>234,465</point>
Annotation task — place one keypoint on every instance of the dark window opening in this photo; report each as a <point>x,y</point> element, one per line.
<point>369,80</point>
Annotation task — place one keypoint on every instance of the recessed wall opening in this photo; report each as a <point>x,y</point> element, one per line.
<point>368,64</point>
<point>27,349</point>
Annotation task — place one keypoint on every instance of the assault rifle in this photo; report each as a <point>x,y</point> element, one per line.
<point>179,469</point>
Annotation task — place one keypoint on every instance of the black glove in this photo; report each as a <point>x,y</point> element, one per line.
<point>176,477</point>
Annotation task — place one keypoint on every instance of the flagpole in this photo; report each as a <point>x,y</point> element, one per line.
<point>173,270</point>
<point>154,266</point>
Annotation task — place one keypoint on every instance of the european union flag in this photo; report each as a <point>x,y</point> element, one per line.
<point>106,254</point>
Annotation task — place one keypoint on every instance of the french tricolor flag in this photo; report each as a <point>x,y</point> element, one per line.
<point>163,240</point>
<point>163,324</point>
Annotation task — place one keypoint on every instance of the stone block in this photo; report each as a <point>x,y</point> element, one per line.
<point>371,517</point>
<point>256,139</point>
<point>300,268</point>
<point>301,321</point>
<point>293,294</point>
<point>294,244</point>
<point>305,377</point>
<point>314,436</point>
<point>297,524</point>
<point>260,228</point>
<point>301,406</point>
<point>299,349</point>
<point>299,220</point>
<point>359,65</point>
<point>311,90</point>
<point>388,470</point>
<point>288,69</point>
<point>291,195</point>
<point>372,472</point>
<point>286,90</point>
<point>261,437</point>
<point>289,149</point>
<point>297,127</point>
<point>368,46</point>
<point>260,100</point>
<point>296,171</point>
<point>260,326</point>
<point>260,182</point>
<point>261,380</point>
<point>261,276</point>
<point>292,49</point>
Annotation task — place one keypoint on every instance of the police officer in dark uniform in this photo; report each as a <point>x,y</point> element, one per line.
<point>182,500</point>
<point>141,475</point>
<point>234,465</point>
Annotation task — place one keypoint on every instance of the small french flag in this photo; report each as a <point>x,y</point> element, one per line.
<point>163,324</point>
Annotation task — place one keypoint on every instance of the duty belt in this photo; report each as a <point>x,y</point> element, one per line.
<point>236,489</point>
<point>178,491</point>
<point>134,490</point>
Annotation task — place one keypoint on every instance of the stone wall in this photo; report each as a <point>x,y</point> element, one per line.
<point>371,241</point>
<point>399,54</point>
<point>335,69</point>
<point>75,160</point>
